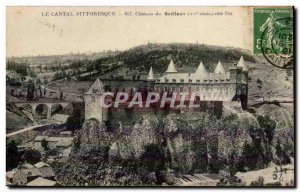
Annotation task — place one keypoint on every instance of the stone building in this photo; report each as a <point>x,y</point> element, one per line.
<point>220,85</point>
<point>92,100</point>
<point>212,87</point>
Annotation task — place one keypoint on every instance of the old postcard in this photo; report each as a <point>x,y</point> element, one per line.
<point>150,96</point>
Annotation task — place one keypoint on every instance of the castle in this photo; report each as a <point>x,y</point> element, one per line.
<point>217,86</point>
<point>211,86</point>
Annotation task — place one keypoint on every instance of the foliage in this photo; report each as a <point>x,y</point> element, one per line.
<point>268,125</point>
<point>44,144</point>
<point>31,156</point>
<point>153,157</point>
<point>12,155</point>
<point>158,55</point>
<point>258,182</point>
<point>258,81</point>
<point>75,120</point>
<point>281,154</point>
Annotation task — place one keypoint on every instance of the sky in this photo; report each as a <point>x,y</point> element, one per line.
<point>29,33</point>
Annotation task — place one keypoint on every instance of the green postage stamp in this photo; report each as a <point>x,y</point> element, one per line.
<point>273,35</point>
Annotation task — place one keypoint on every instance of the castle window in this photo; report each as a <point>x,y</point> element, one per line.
<point>198,81</point>
<point>210,81</point>
<point>190,80</point>
<point>205,80</point>
<point>174,80</point>
<point>167,80</point>
<point>166,88</point>
<point>228,80</point>
<point>95,90</point>
<point>181,80</point>
<point>222,80</point>
<point>158,80</point>
<point>181,89</point>
<point>216,80</point>
<point>173,89</point>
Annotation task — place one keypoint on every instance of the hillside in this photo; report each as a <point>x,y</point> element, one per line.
<point>188,55</point>
<point>138,60</point>
<point>265,80</point>
<point>157,149</point>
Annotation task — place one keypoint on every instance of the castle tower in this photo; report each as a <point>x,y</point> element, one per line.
<point>201,71</point>
<point>219,68</point>
<point>171,67</point>
<point>150,76</point>
<point>150,80</point>
<point>93,106</point>
<point>243,65</point>
<point>243,82</point>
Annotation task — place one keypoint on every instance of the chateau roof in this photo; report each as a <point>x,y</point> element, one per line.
<point>171,67</point>
<point>242,64</point>
<point>219,69</point>
<point>150,75</point>
<point>201,70</point>
<point>96,88</point>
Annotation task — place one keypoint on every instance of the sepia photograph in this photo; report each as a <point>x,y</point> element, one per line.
<point>150,96</point>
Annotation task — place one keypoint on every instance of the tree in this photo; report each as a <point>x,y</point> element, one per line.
<point>232,163</point>
<point>75,120</point>
<point>153,157</point>
<point>44,144</point>
<point>61,95</point>
<point>258,81</point>
<point>12,155</point>
<point>248,156</point>
<point>31,156</point>
<point>268,125</point>
<point>281,154</point>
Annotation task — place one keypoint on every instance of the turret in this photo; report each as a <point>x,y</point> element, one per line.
<point>201,71</point>
<point>92,99</point>
<point>243,65</point>
<point>171,67</point>
<point>150,76</point>
<point>219,68</point>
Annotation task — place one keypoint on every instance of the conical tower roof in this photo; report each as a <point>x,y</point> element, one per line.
<point>171,67</point>
<point>150,75</point>
<point>219,69</point>
<point>201,69</point>
<point>242,64</point>
<point>97,87</point>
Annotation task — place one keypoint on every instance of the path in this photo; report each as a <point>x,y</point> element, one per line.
<point>26,129</point>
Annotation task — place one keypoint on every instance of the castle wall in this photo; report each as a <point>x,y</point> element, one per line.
<point>207,92</point>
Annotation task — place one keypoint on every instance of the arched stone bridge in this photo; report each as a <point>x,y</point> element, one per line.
<point>35,104</point>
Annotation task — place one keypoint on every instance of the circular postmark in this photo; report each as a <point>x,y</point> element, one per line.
<point>277,43</point>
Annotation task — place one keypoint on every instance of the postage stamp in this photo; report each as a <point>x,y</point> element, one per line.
<point>273,36</point>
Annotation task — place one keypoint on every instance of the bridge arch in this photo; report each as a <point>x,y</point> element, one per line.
<point>43,110</point>
<point>56,108</point>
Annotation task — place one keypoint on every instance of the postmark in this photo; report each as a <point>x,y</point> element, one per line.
<point>273,36</point>
<point>277,43</point>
